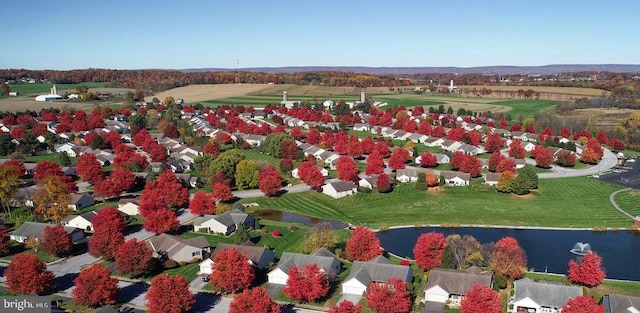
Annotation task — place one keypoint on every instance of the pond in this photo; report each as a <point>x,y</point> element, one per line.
<point>283,216</point>
<point>619,250</point>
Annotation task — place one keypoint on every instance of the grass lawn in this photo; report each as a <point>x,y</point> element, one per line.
<point>41,256</point>
<point>608,286</point>
<point>569,202</point>
<point>188,271</point>
<point>53,157</point>
<point>26,89</point>
<point>628,201</point>
<point>526,107</point>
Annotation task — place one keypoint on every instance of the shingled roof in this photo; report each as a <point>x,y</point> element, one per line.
<point>378,270</point>
<point>545,293</point>
<point>456,281</point>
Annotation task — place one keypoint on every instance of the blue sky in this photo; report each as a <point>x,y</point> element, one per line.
<point>137,34</point>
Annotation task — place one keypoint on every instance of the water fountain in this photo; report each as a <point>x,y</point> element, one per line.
<point>581,248</point>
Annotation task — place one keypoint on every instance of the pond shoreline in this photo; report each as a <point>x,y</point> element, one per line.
<point>450,226</point>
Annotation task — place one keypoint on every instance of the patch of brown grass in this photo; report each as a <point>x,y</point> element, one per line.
<point>195,93</point>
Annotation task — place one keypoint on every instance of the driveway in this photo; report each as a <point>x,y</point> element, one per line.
<point>609,160</point>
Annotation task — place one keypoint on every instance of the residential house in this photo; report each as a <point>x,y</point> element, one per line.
<point>450,286</point>
<point>36,230</point>
<point>82,221</point>
<point>470,149</point>
<point>361,127</point>
<point>165,246</point>
<point>451,145</point>
<point>80,201</point>
<point>418,138</point>
<point>491,179</point>
<point>339,189</point>
<point>369,182</point>
<point>442,158</point>
<point>433,142</point>
<point>529,146</point>
<point>225,223</point>
<point>377,270</point>
<point>456,178</point>
<point>401,135</point>
<point>325,260</point>
<point>538,297</point>
<point>322,170</point>
<point>406,175</point>
<point>259,257</point>
<point>254,140</point>
<point>189,181</point>
<point>129,206</point>
<point>621,304</point>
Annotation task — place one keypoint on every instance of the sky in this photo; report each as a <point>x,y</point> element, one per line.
<point>142,34</point>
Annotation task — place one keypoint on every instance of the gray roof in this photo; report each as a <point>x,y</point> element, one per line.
<point>342,185</point>
<point>379,269</point>
<point>409,172</point>
<point>254,253</point>
<point>450,175</point>
<point>233,217</point>
<point>323,258</point>
<point>545,293</point>
<point>456,281</point>
<point>620,303</point>
<point>36,230</point>
<point>491,177</point>
<point>172,244</point>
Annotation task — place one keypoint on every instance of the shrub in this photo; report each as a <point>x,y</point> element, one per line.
<point>276,233</point>
<point>169,264</point>
<point>182,263</point>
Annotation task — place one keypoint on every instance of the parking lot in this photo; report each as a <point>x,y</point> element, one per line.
<point>627,176</point>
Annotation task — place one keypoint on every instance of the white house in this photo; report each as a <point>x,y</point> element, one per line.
<point>339,189</point>
<point>377,270</point>
<point>325,260</point>
<point>82,221</point>
<point>447,285</point>
<point>491,179</point>
<point>225,223</point>
<point>129,206</point>
<point>456,178</point>
<point>259,257</point>
<point>538,297</point>
<point>36,230</point>
<point>322,170</point>
<point>368,182</point>
<point>361,127</point>
<point>406,175</point>
<point>529,146</point>
<point>165,246</point>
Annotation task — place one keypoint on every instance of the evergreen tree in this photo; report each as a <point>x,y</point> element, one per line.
<point>241,235</point>
<point>531,174</point>
<point>64,159</point>
<point>521,185</point>
<point>421,184</point>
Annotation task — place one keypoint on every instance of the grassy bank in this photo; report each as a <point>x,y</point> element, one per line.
<point>572,202</point>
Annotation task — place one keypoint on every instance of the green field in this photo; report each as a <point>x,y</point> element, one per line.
<point>629,201</point>
<point>29,89</point>
<point>526,107</point>
<point>572,202</point>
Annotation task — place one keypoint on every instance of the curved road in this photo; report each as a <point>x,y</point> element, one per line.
<point>612,199</point>
<point>609,160</point>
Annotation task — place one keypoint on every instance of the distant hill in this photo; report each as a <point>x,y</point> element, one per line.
<point>485,70</point>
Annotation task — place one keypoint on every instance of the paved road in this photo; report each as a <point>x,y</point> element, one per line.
<point>612,199</point>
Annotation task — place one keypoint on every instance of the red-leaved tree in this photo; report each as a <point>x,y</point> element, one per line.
<point>363,245</point>
<point>161,221</point>
<point>398,158</point>
<point>202,203</point>
<point>94,287</point>
<point>494,160</point>
<point>222,192</point>
<point>26,274</point>
<point>46,168</point>
<point>89,168</point>
<point>56,241</point>
<point>231,272</point>
<point>255,300</point>
<point>375,164</point>
<point>582,304</point>
<point>428,160</point>
<point>269,181</point>
<point>393,297</point>
<point>169,294</point>
<point>472,165</point>
<point>508,259</point>
<point>493,143</point>
<point>346,307</point>
<point>566,158</point>
<point>306,283</point>
<point>134,258</point>
<point>429,249</point>
<point>347,169</point>
<point>544,158</point>
<point>589,272</point>
<point>5,241</point>
<point>161,193</point>
<point>108,225</point>
<point>481,299</point>
<point>516,150</point>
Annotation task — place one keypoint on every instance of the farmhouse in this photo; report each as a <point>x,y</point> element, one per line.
<point>166,246</point>
<point>36,230</point>
<point>377,270</point>
<point>259,257</point>
<point>537,297</point>
<point>339,189</point>
<point>450,286</point>
<point>325,260</point>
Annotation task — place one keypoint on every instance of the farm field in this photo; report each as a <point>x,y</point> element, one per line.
<point>571,91</point>
<point>196,93</point>
<point>578,202</point>
<point>36,89</point>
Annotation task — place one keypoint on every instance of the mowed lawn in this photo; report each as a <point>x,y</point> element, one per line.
<point>27,89</point>
<point>629,201</point>
<point>572,202</point>
<point>526,107</point>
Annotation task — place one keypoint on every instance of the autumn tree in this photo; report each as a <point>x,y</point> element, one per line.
<point>321,235</point>
<point>134,258</point>
<point>163,192</point>
<point>169,294</point>
<point>428,250</point>
<point>398,158</point>
<point>457,158</point>
<point>428,160</point>
<point>120,180</point>
<point>504,182</point>
<point>393,297</point>
<point>384,184</point>
<point>506,165</point>
<point>94,287</point>
<point>52,199</point>
<point>461,248</point>
<point>346,306</point>
<point>254,300</point>
<point>306,283</point>
<point>202,203</point>
<point>508,259</point>
<point>566,158</point>
<point>108,225</point>
<point>582,304</point>
<point>46,168</point>
<point>471,165</point>
<point>481,299</point>
<point>89,168</point>
<point>588,272</point>
<point>231,272</point>
<point>270,181</point>
<point>347,169</point>
<point>5,241</point>
<point>363,245</point>
<point>9,183</point>
<point>56,241</point>
<point>375,164</point>
<point>310,174</point>
<point>222,192</point>
<point>26,274</point>
<point>516,150</point>
<point>161,221</point>
<point>171,131</point>
<point>544,158</point>
<point>493,143</point>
